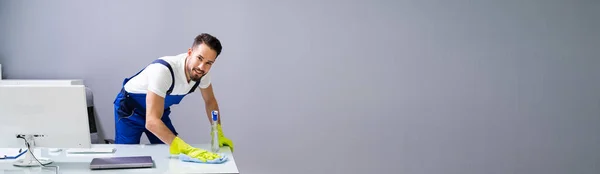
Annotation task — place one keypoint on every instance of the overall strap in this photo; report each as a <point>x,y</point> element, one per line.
<point>137,73</point>
<point>163,62</point>
<point>195,86</point>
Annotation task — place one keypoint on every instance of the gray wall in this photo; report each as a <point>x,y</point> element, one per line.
<point>414,87</point>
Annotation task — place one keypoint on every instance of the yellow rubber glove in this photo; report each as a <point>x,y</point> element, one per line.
<point>178,146</point>
<point>223,141</point>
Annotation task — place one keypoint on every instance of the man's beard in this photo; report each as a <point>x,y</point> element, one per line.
<point>194,77</point>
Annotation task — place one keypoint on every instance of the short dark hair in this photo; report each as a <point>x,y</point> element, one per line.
<point>210,41</point>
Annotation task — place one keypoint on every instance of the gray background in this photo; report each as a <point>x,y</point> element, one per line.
<point>415,87</point>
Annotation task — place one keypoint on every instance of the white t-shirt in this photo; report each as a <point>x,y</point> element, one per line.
<point>157,78</point>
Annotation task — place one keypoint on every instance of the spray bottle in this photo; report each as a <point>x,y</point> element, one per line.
<point>215,133</point>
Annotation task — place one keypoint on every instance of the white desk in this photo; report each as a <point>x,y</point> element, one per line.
<point>79,163</point>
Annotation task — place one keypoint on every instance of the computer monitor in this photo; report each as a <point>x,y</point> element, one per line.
<point>47,115</point>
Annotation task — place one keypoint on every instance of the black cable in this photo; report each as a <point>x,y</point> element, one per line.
<point>31,152</point>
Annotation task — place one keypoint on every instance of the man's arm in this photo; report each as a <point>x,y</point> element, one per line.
<point>154,111</point>
<point>210,103</point>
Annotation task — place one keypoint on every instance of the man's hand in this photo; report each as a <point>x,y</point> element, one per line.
<point>154,110</point>
<point>178,146</point>
<point>223,141</point>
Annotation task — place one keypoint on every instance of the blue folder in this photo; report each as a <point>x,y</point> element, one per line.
<point>12,155</point>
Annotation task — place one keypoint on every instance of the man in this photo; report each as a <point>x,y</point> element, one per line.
<point>143,105</point>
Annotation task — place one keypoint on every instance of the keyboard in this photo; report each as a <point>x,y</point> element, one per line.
<point>90,150</point>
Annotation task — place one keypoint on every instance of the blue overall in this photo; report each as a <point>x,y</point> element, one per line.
<point>130,112</point>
